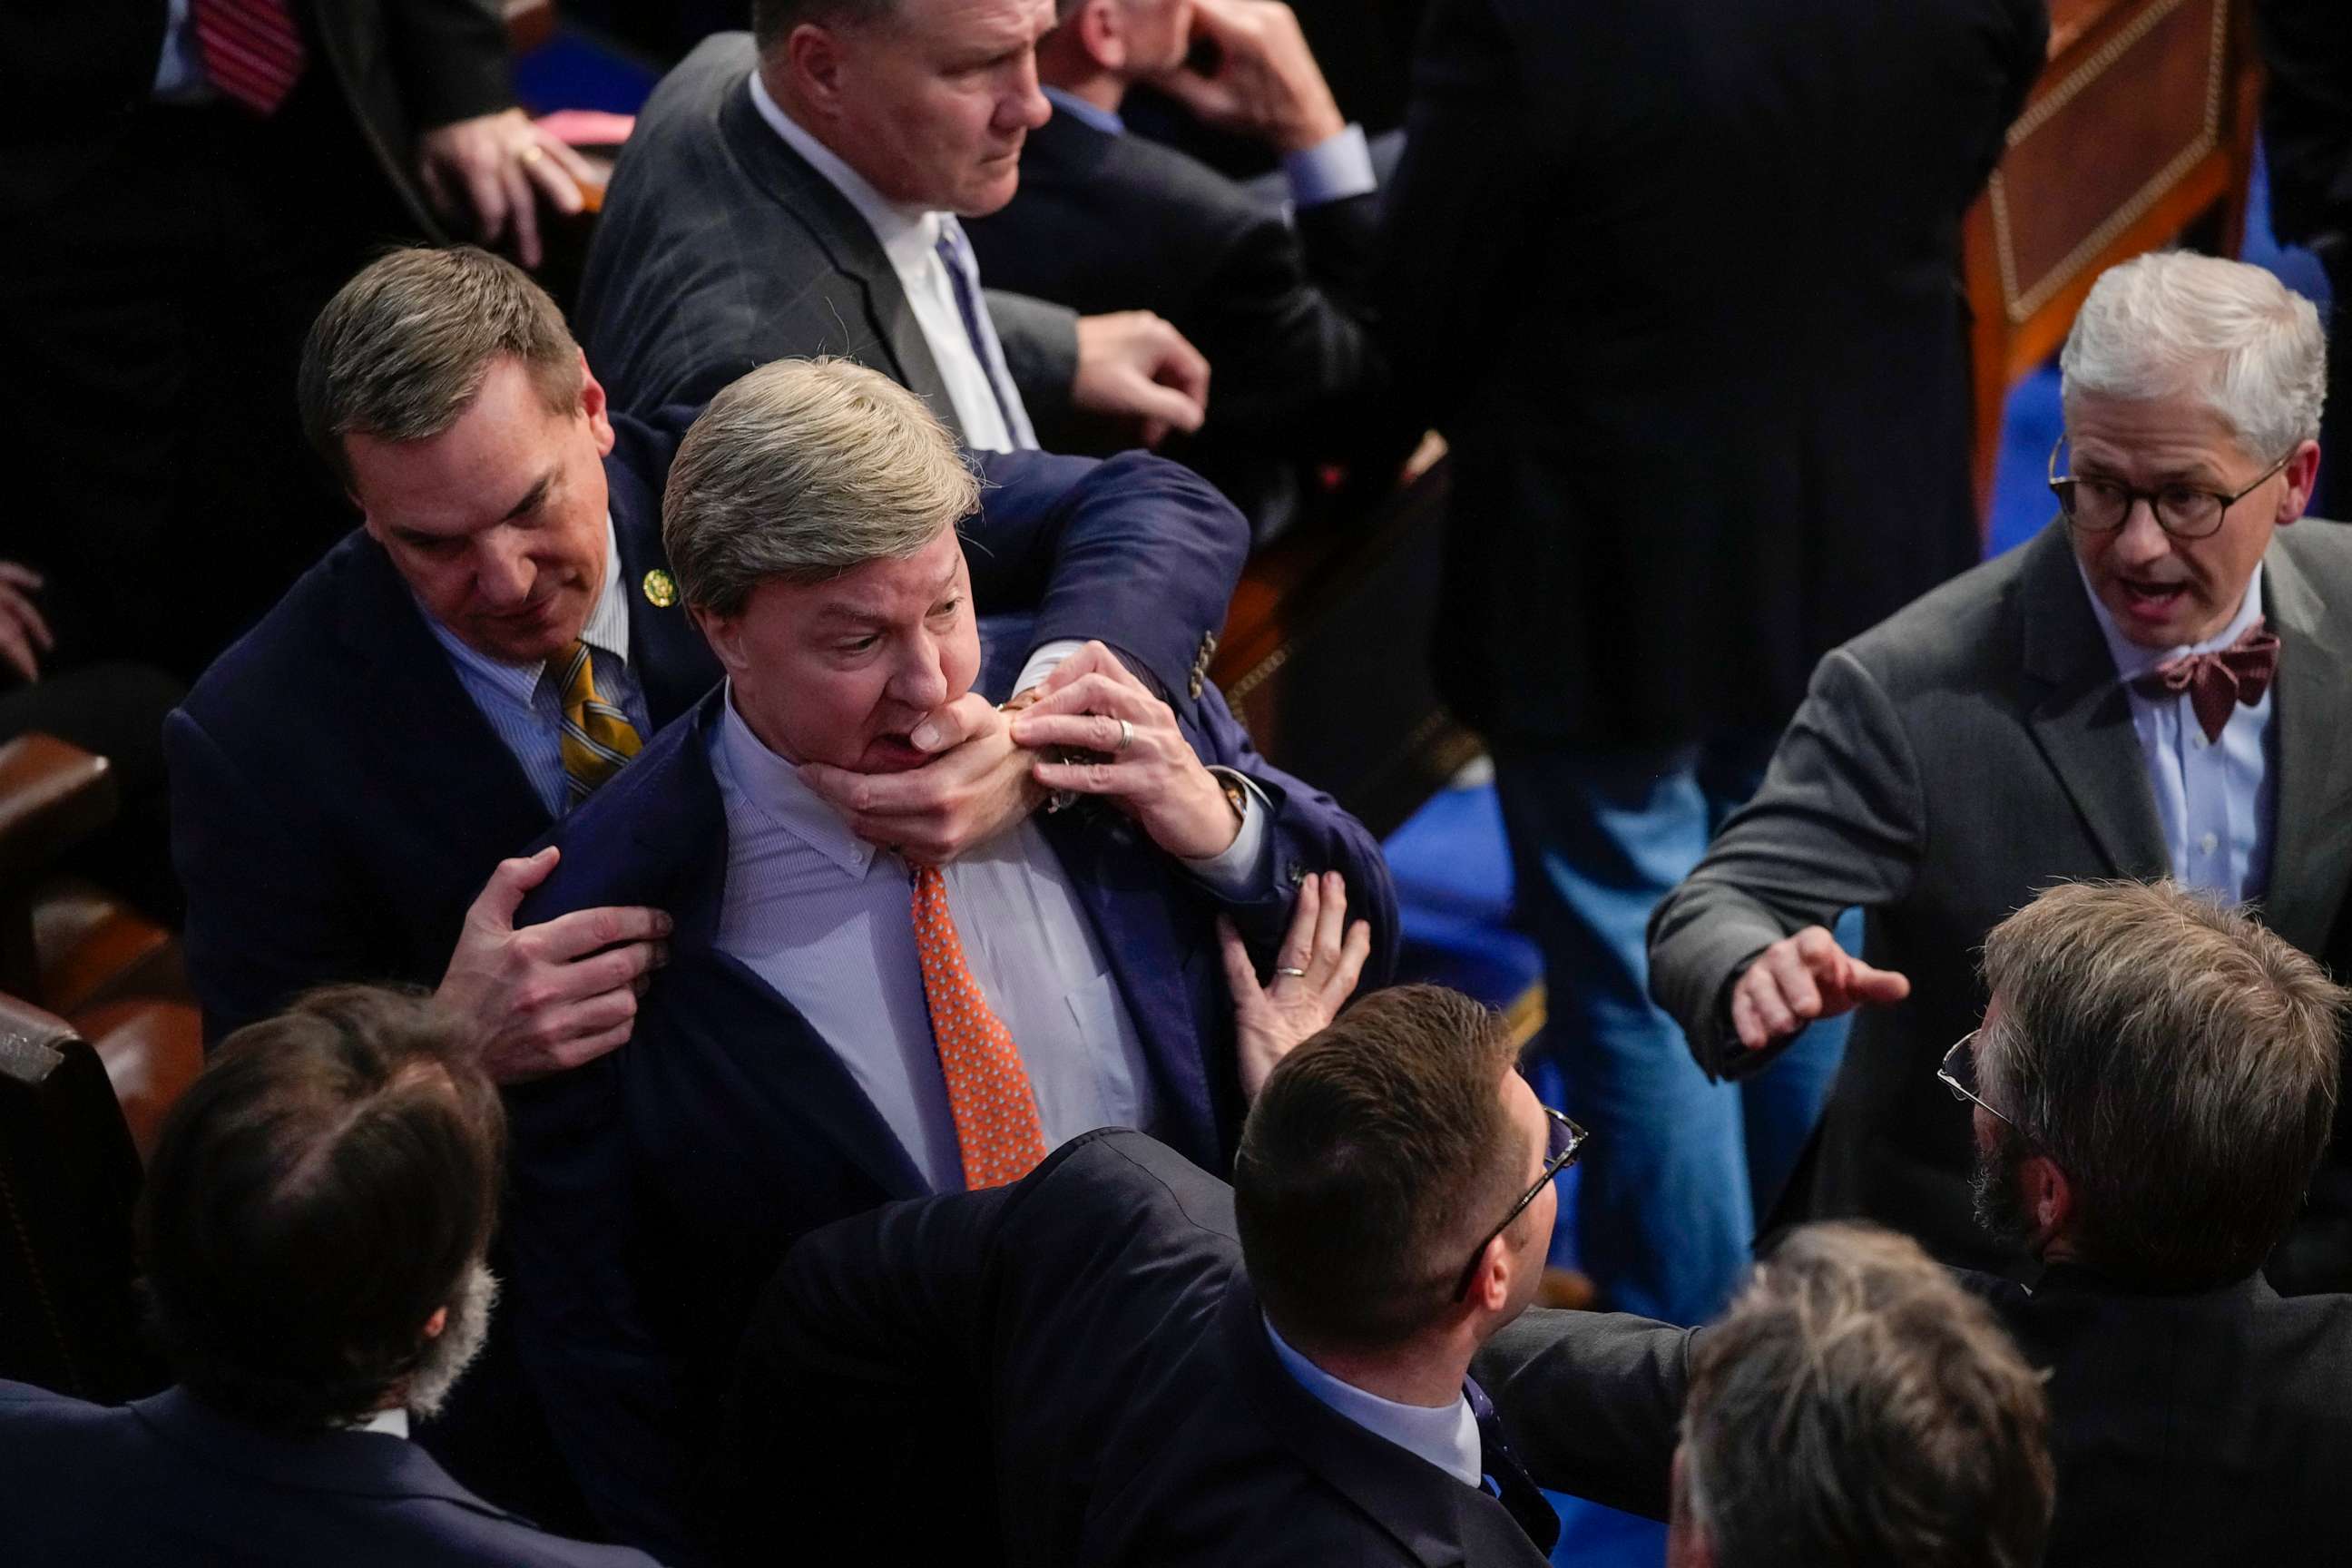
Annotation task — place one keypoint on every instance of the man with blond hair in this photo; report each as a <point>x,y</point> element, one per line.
<point>844,1023</point>
<point>2152,1085</point>
<point>2150,688</point>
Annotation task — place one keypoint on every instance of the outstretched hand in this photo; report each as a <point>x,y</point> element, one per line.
<point>1314,973</point>
<point>1802,978</point>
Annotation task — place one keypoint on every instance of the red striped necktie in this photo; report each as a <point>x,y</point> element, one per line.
<point>252,50</point>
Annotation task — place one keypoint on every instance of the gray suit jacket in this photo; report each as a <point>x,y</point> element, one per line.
<point>1946,764</point>
<point>719,249</point>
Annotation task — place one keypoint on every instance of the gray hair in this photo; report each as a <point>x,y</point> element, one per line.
<point>1856,1405</point>
<point>804,470</point>
<point>399,351</point>
<point>2228,335</point>
<point>2176,1060</point>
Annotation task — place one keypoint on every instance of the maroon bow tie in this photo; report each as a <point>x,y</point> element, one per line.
<point>2219,681</point>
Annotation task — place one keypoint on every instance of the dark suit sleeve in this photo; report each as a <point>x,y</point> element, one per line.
<point>1283,319</point>
<point>1460,218</point>
<point>450,57</point>
<point>268,916</point>
<point>1591,1401</point>
<point>1840,822</point>
<point>610,1390</point>
<point>2027,54</point>
<point>1136,551</point>
<point>862,1367</point>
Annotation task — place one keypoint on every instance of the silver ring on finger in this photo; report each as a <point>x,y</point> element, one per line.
<point>1294,974</point>
<point>1126,737</point>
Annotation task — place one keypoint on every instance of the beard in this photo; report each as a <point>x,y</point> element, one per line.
<point>449,1355</point>
<point>1999,1193</point>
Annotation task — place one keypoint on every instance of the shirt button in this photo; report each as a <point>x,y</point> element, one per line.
<point>2206,843</point>
<point>2199,742</point>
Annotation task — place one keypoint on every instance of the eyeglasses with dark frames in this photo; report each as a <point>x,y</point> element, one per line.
<point>2184,511</point>
<point>1566,1143</point>
<point>1959,1072</point>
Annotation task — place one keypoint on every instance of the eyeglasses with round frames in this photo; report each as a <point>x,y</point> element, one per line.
<point>1959,1072</point>
<point>2184,511</point>
<point>1565,1143</point>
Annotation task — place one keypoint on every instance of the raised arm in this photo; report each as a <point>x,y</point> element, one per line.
<point>1592,1402</point>
<point>1839,823</point>
<point>1138,552</point>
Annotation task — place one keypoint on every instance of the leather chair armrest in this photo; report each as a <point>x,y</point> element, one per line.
<point>52,796</point>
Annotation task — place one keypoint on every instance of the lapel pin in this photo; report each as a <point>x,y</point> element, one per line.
<point>661,589</point>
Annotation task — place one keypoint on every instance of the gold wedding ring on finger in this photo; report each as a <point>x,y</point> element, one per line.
<point>530,153</point>
<point>1126,737</point>
<point>1294,974</point>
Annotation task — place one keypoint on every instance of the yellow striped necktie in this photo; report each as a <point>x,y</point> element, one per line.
<point>597,736</point>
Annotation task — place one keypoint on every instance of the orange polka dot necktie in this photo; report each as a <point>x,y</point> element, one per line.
<point>997,1130</point>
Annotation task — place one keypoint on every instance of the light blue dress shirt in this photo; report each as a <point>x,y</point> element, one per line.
<point>526,710</point>
<point>180,69</point>
<point>826,919</point>
<point>1332,170</point>
<point>2216,802</point>
<point>1445,1435</point>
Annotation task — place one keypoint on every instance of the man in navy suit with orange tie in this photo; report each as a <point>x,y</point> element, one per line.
<point>841,1023</point>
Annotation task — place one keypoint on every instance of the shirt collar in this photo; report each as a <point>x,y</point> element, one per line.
<point>907,232</point>
<point>774,788</point>
<point>2132,660</point>
<point>606,631</point>
<point>392,1423</point>
<point>1446,1436</point>
<point>1103,120</point>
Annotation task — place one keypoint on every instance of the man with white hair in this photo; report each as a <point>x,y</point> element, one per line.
<point>2150,688</point>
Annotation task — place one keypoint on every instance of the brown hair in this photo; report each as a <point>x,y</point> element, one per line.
<point>1375,1157</point>
<point>2176,1059</point>
<point>316,1195</point>
<point>399,353</point>
<point>1855,1406</point>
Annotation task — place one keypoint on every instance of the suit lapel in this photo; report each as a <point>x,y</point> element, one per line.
<point>841,231</point>
<point>451,769</point>
<point>766,1040</point>
<point>1428,1512</point>
<point>2311,847</point>
<point>2080,715</point>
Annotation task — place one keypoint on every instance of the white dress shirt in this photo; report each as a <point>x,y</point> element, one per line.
<point>1444,1434</point>
<point>826,921</point>
<point>2216,802</point>
<point>526,710</point>
<point>392,1423</point>
<point>910,236</point>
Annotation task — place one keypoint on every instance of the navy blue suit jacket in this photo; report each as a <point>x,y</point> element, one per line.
<point>166,1480</point>
<point>653,1192</point>
<point>337,801</point>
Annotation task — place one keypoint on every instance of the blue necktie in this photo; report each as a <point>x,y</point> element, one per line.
<point>1517,1490</point>
<point>968,306</point>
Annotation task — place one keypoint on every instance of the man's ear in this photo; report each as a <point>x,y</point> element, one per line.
<point>596,408</point>
<point>2302,473</point>
<point>725,636</point>
<point>2049,1196</point>
<point>809,62</point>
<point>1101,30</point>
<point>439,1321</point>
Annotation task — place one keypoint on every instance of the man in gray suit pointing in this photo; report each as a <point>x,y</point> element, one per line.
<point>2150,688</point>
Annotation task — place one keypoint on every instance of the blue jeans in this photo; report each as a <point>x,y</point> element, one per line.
<point>1679,1169</point>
